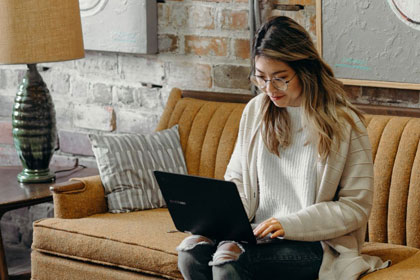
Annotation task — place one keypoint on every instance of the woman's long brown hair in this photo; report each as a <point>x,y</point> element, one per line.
<point>325,103</point>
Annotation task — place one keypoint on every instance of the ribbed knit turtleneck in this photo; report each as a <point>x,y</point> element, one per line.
<point>287,183</point>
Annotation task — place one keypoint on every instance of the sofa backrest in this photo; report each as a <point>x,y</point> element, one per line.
<point>395,216</point>
<point>208,126</point>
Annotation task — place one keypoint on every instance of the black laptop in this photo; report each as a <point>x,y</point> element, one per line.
<point>205,206</point>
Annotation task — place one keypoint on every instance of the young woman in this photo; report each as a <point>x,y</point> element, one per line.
<point>303,167</point>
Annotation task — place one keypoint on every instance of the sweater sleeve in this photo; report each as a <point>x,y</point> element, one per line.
<point>234,170</point>
<point>354,195</point>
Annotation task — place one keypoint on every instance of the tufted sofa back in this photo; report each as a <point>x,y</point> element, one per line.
<point>395,216</point>
<point>208,130</point>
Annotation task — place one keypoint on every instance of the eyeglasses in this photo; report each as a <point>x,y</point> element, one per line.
<point>278,83</point>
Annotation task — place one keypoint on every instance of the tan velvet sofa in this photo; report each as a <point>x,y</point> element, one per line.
<point>83,241</point>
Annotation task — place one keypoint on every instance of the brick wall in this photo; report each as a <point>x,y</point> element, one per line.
<point>203,45</point>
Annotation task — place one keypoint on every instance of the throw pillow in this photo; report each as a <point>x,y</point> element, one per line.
<point>126,163</point>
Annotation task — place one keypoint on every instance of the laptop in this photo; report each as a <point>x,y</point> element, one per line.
<point>205,206</point>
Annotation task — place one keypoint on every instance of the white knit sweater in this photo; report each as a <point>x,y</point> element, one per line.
<point>287,183</point>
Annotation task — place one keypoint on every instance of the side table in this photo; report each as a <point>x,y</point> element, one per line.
<point>15,195</point>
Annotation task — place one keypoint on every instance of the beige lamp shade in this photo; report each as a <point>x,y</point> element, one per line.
<point>33,31</point>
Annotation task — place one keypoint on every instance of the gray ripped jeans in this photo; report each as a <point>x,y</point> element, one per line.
<point>201,258</point>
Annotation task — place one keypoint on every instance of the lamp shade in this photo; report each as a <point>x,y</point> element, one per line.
<point>33,31</point>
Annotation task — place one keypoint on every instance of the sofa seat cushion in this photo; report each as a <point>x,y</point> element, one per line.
<point>387,251</point>
<point>407,269</point>
<point>142,241</point>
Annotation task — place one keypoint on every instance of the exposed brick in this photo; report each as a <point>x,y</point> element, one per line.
<point>9,79</point>
<point>353,92</point>
<point>295,2</point>
<point>75,143</point>
<point>390,95</point>
<point>201,17</point>
<point>198,45</point>
<point>231,76</point>
<point>94,117</point>
<point>125,95</point>
<point>167,43</point>
<point>61,162</point>
<point>149,98</point>
<point>65,161</point>
<point>234,20</point>
<point>215,1</point>
<point>140,69</point>
<point>242,48</point>
<point>63,114</point>
<point>134,121</point>
<point>174,16</point>
<point>79,89</point>
<point>6,136</point>
<point>103,65</point>
<point>6,105</point>
<point>188,75</point>
<point>58,83</point>
<point>101,94</point>
<point>89,162</point>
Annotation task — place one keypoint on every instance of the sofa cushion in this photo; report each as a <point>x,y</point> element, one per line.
<point>407,269</point>
<point>142,241</point>
<point>387,251</point>
<point>126,163</point>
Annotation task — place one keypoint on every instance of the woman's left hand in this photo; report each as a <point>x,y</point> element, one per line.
<point>272,226</point>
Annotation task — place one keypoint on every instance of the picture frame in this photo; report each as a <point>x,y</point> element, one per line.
<point>367,71</point>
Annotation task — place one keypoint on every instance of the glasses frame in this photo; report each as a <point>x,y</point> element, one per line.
<point>253,79</point>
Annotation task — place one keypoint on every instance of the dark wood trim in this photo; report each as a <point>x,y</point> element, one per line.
<point>218,96</point>
<point>69,186</point>
<point>244,98</point>
<point>389,110</point>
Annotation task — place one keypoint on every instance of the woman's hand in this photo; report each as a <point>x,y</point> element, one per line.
<point>272,226</point>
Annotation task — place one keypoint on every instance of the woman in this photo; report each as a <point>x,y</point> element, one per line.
<point>303,167</point>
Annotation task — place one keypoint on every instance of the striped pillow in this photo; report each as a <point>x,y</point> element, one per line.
<point>126,163</point>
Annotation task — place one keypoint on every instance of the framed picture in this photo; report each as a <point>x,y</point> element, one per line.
<point>371,42</point>
<point>128,26</point>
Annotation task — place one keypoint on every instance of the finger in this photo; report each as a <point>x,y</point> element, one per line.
<point>277,233</point>
<point>270,229</point>
<point>260,228</point>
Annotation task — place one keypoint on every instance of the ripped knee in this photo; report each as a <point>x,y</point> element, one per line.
<point>192,241</point>
<point>227,251</point>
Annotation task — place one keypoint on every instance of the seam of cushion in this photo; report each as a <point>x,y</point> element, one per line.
<point>104,238</point>
<point>218,140</point>
<point>221,134</point>
<point>106,263</point>
<point>380,138</point>
<point>204,138</point>
<point>172,114</point>
<point>192,123</point>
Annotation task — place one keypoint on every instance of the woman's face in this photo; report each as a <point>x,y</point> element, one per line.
<point>267,69</point>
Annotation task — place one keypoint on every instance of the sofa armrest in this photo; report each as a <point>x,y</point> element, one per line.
<point>79,197</point>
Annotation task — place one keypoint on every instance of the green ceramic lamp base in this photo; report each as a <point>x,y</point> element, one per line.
<point>34,130</point>
<point>36,176</point>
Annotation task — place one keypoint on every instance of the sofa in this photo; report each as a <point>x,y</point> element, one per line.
<point>84,241</point>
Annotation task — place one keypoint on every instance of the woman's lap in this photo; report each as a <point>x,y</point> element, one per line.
<point>279,258</point>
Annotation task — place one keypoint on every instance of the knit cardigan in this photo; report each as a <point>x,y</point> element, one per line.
<point>344,194</point>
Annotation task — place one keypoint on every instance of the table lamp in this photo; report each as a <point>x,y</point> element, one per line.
<point>34,31</point>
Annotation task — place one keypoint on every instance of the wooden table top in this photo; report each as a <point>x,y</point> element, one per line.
<point>14,194</point>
